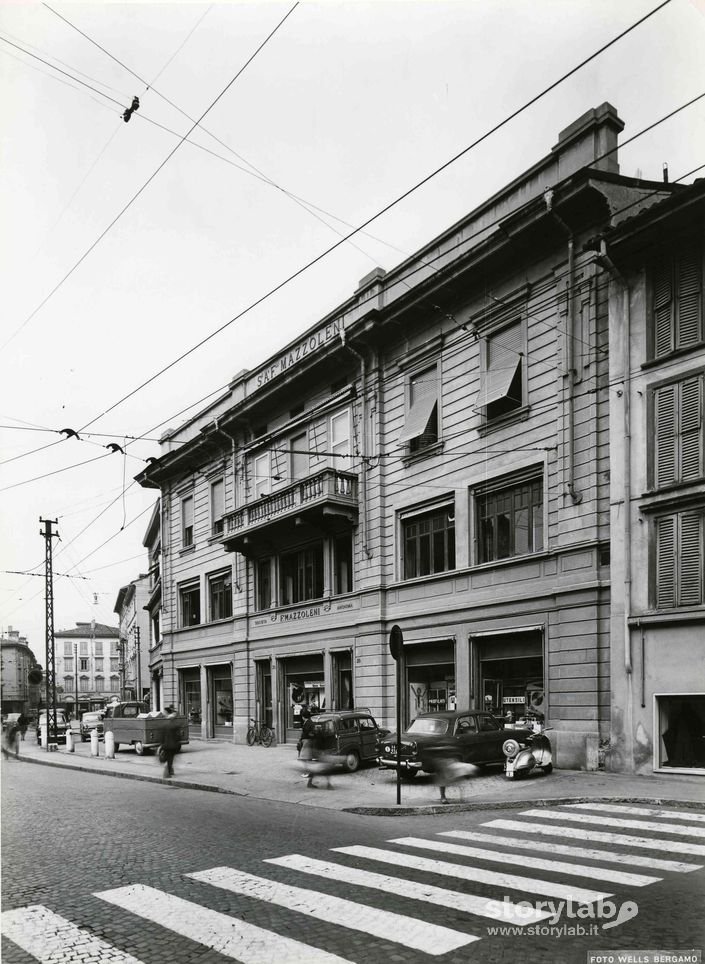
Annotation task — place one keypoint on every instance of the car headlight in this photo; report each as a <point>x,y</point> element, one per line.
<point>510,748</point>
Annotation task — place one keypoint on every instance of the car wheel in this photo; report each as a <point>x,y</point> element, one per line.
<point>352,761</point>
<point>548,769</point>
<point>84,739</point>
<point>116,747</point>
<point>408,774</point>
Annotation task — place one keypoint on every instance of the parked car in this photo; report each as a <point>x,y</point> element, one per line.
<point>352,735</point>
<point>89,722</point>
<point>465,736</point>
<point>62,725</point>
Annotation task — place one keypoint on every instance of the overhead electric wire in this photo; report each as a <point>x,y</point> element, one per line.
<point>156,172</point>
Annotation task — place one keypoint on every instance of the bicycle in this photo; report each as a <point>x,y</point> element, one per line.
<point>259,733</point>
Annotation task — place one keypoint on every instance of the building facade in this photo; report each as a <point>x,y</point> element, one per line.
<point>153,544</point>
<point>17,693</point>
<point>87,666</point>
<point>134,627</point>
<point>657,371</point>
<point>433,454</point>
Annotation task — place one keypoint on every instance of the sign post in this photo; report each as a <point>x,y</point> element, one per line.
<point>396,644</point>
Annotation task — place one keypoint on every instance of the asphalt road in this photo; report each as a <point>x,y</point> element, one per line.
<point>113,857</point>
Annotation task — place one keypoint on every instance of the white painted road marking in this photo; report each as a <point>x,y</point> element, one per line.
<point>640,811</point>
<point>452,899</point>
<point>547,846</point>
<point>409,931</point>
<point>536,863</point>
<point>52,939</point>
<point>229,936</point>
<point>679,829</point>
<point>477,875</point>
<point>583,833</point>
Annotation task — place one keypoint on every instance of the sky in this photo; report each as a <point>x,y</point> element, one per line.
<point>124,244</point>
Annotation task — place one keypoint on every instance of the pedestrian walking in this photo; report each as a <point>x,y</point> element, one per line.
<point>22,723</point>
<point>322,762</point>
<point>11,741</point>
<point>170,742</point>
<point>306,741</point>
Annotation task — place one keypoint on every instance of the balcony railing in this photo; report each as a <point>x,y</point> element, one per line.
<point>328,490</point>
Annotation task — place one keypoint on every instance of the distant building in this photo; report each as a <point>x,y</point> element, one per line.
<point>17,694</point>
<point>134,636</point>
<point>153,544</point>
<point>87,666</point>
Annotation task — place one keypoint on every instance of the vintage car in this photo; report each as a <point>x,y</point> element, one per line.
<point>464,736</point>
<point>352,735</point>
<point>62,725</point>
<point>132,725</point>
<point>89,722</point>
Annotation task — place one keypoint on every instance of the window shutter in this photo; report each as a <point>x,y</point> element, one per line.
<point>690,560</point>
<point>691,429</point>
<point>665,563</point>
<point>688,324</point>
<point>663,297</point>
<point>665,405</point>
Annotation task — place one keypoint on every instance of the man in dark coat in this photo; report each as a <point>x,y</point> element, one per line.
<point>170,741</point>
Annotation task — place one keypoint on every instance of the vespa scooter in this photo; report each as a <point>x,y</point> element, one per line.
<point>524,755</point>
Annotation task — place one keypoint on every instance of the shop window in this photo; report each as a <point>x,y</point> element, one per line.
<point>217,506</point>
<point>220,596</point>
<point>509,519</point>
<point>677,301</point>
<point>681,732</point>
<point>264,583</point>
<point>680,431</point>
<point>190,604</point>
<point>192,700</point>
<point>223,700</point>
<point>261,482</point>
<point>339,439</point>
<point>428,540</point>
<point>301,575</point>
<point>187,522</point>
<point>343,562</point>
<point>299,457</point>
<point>679,560</point>
<point>421,426</point>
<point>502,372</point>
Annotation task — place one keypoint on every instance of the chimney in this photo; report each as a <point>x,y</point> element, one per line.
<point>588,138</point>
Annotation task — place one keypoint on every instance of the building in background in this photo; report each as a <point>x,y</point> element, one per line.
<point>130,607</point>
<point>434,453</point>
<point>17,693</point>
<point>654,262</point>
<point>87,666</point>
<point>153,544</point>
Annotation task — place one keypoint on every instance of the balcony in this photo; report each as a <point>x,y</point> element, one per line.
<point>320,501</point>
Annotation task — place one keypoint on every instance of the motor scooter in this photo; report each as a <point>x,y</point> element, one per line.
<point>526,754</point>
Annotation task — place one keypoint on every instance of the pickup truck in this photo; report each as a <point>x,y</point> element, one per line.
<point>132,725</point>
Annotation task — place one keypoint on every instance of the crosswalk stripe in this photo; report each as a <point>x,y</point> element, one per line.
<point>227,935</point>
<point>477,875</point>
<point>537,863</point>
<point>584,833</point>
<point>398,928</point>
<point>640,811</point>
<point>679,829</point>
<point>546,846</point>
<point>52,939</point>
<point>452,899</point>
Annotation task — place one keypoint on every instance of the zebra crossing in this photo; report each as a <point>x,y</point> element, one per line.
<point>478,866</point>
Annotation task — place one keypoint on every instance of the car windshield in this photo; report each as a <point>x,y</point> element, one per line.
<point>429,725</point>
<point>91,717</point>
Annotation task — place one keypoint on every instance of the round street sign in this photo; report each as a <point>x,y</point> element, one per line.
<point>396,642</point>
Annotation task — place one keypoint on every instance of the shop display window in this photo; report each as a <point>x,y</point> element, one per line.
<point>680,721</point>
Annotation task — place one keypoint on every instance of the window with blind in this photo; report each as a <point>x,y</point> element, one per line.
<point>339,439</point>
<point>261,482</point>
<point>679,567</point>
<point>217,506</point>
<point>428,540</point>
<point>220,596</point>
<point>502,377</point>
<point>301,575</point>
<point>421,426</point>
<point>190,604</point>
<point>509,519</point>
<point>677,302</point>
<point>187,522</point>
<point>679,432</point>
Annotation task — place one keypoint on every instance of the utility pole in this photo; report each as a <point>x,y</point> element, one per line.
<point>48,535</point>
<point>122,643</point>
<point>139,671</point>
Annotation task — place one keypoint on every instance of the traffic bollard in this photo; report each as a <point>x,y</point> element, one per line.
<point>94,743</point>
<point>109,745</point>
<point>69,741</point>
<point>43,735</point>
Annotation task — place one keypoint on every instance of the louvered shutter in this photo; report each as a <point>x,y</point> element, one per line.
<point>663,305</point>
<point>690,560</point>
<point>665,563</point>
<point>689,300</point>
<point>665,410</point>
<point>691,429</point>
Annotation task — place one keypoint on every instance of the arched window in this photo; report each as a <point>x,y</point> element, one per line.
<point>84,684</point>
<point>100,683</point>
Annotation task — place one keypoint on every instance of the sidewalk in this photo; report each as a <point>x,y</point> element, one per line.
<point>276,774</point>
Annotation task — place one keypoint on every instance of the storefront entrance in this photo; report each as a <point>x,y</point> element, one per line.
<point>429,670</point>
<point>511,676</point>
<point>191,697</point>
<point>221,698</point>
<point>680,721</point>
<point>303,684</point>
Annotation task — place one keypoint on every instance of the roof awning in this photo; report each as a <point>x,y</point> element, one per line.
<point>496,382</point>
<point>420,414</point>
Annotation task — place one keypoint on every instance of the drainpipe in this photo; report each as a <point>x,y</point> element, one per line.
<point>363,466</point>
<point>569,352</point>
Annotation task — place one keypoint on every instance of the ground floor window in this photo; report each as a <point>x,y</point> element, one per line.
<point>222,700</point>
<point>191,695</point>
<point>429,669</point>
<point>264,691</point>
<point>510,677</point>
<point>304,685</point>
<point>681,732</point>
